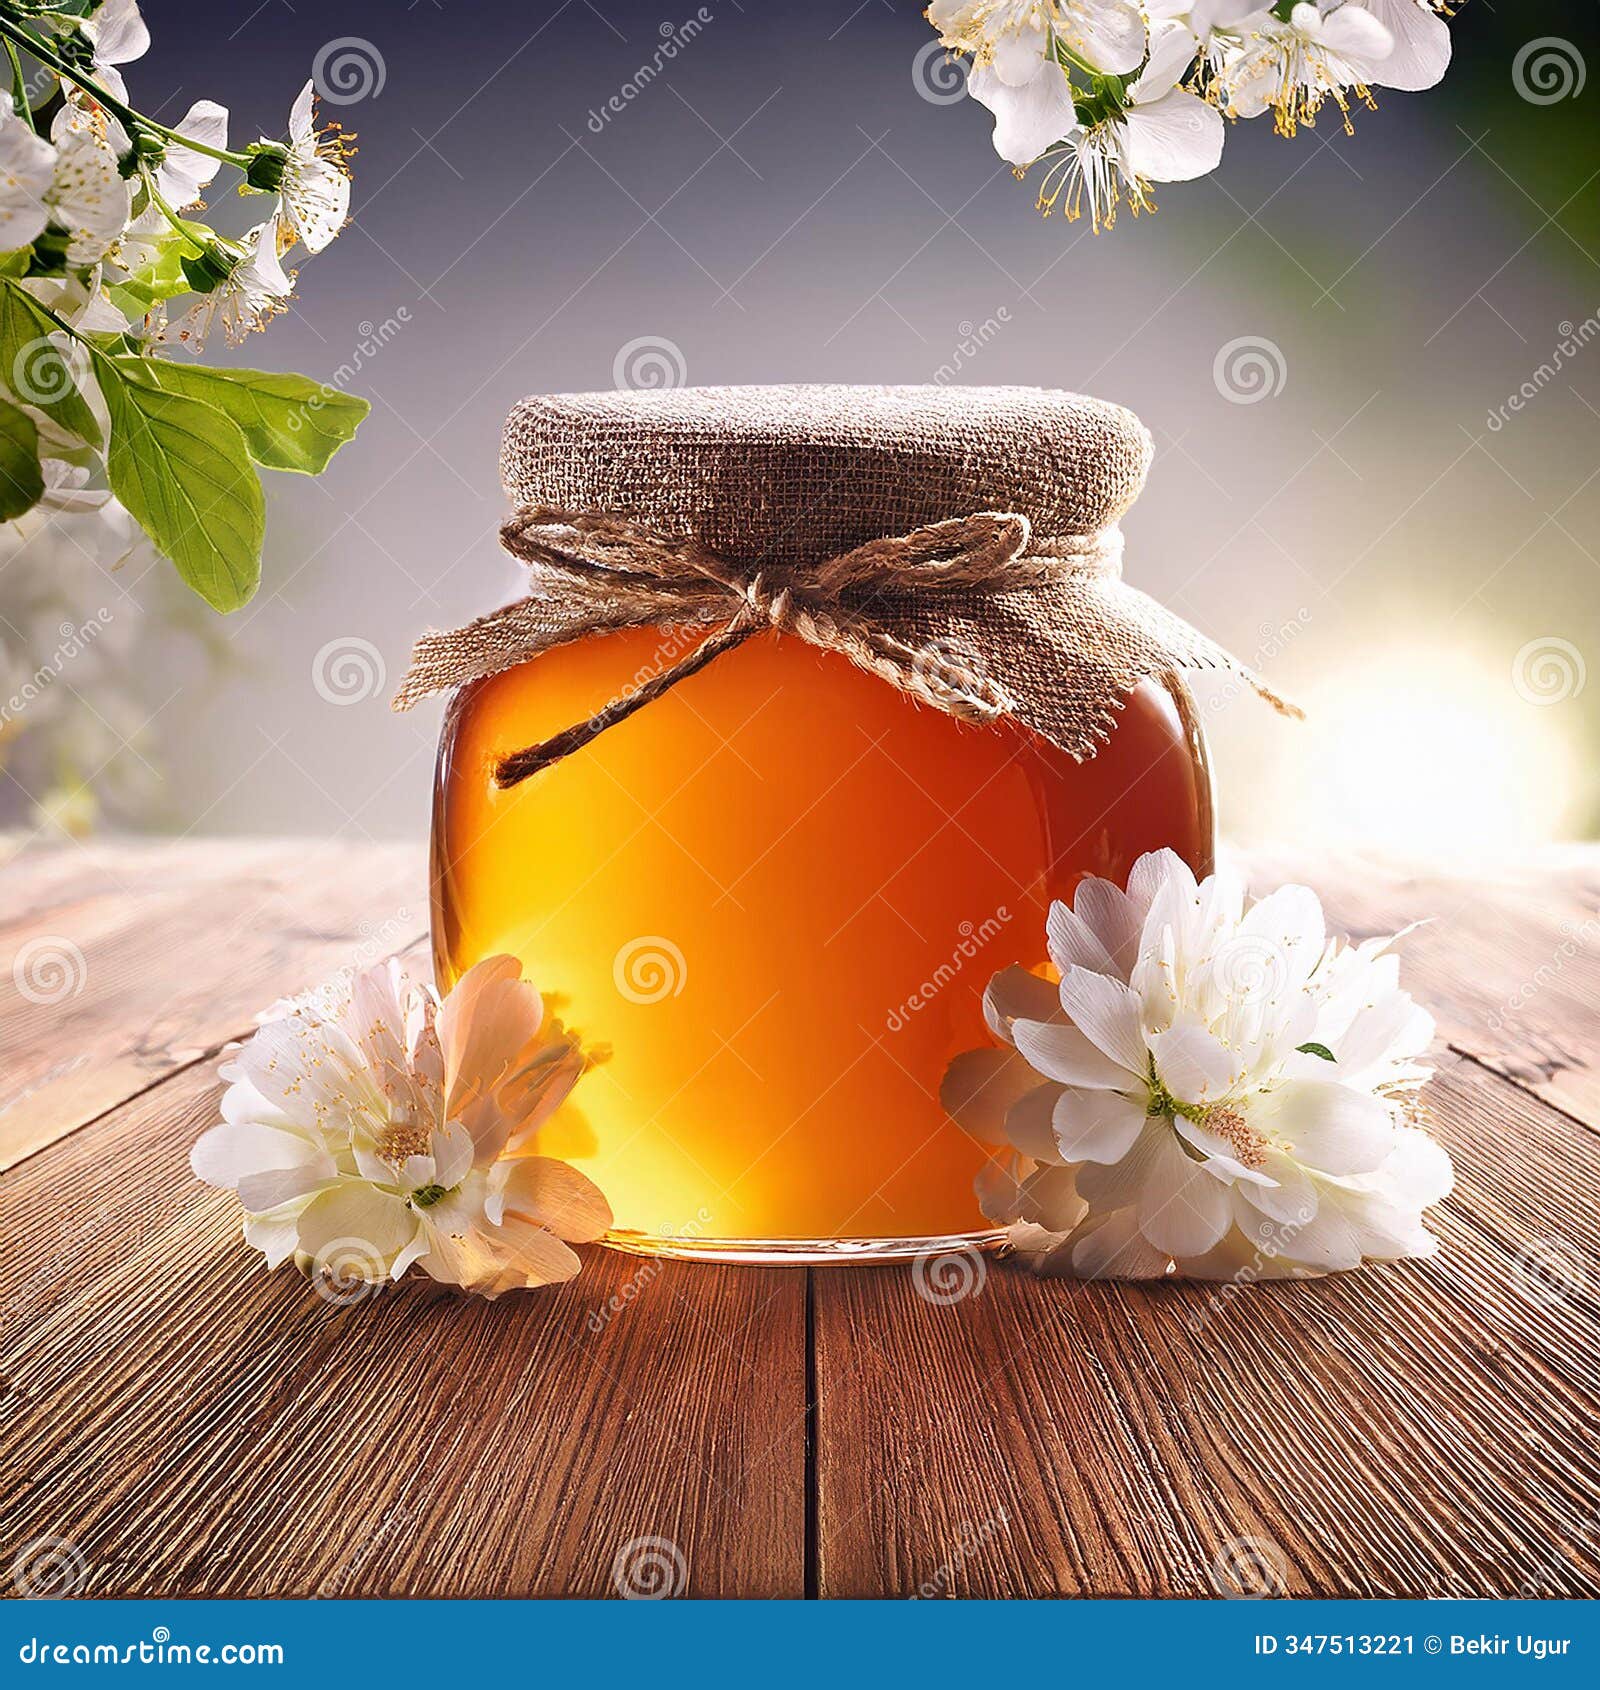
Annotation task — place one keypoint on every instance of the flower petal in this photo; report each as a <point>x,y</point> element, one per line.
<point>1073,943</point>
<point>1327,1241</point>
<point>494,1259</point>
<point>1060,1052</point>
<point>1029,119</point>
<point>1110,914</point>
<point>275,1234</point>
<point>1096,1126</point>
<point>358,1228</point>
<point>1015,994</point>
<point>1119,1184</point>
<point>1421,52</point>
<point>1173,139</point>
<point>1046,1198</point>
<point>235,1151</point>
<point>1108,1014</point>
<point>1115,1248</point>
<point>544,1192</point>
<point>980,1086</point>
<point>1326,1126</point>
<point>1030,1123</point>
<point>1192,1063</point>
<point>1109,34</point>
<point>484,1026</point>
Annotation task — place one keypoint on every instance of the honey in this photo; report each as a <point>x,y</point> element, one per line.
<point>769,903</point>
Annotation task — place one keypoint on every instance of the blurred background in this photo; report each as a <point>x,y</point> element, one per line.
<point>1371,364</point>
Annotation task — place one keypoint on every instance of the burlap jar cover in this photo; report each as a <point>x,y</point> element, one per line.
<point>962,543</point>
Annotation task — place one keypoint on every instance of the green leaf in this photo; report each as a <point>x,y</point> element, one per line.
<point>31,366</point>
<point>182,469</point>
<point>1318,1050</point>
<point>162,278</point>
<point>290,422</point>
<point>21,479</point>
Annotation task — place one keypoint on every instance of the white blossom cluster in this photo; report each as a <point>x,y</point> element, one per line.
<point>1113,97</point>
<point>109,265</point>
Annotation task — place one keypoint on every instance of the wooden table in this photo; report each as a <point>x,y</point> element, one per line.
<point>192,1425</point>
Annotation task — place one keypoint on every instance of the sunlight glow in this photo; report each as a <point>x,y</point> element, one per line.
<point>1435,753</point>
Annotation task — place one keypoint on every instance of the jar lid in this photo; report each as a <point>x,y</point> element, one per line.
<point>788,475</point>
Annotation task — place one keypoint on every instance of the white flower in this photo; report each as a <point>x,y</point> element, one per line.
<point>1323,52</point>
<point>253,291</point>
<point>1421,52</point>
<point>371,1127</point>
<point>316,180</point>
<point>1015,36</point>
<point>183,173</point>
<point>89,198</point>
<point>119,36</point>
<point>1016,73</point>
<point>1165,134</point>
<point>1204,16</point>
<point>1213,1084</point>
<point>27,172</point>
<point>71,182</point>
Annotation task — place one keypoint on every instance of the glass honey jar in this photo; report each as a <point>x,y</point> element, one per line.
<point>769,899</point>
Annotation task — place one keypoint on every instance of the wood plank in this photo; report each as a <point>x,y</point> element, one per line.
<point>1426,1429</point>
<point>198,1427</point>
<point>1509,961</point>
<point>121,961</point>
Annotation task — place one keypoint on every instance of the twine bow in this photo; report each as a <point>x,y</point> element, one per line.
<point>592,571</point>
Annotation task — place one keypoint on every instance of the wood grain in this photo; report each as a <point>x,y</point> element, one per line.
<point>198,1427</point>
<point>120,963</point>
<point>1428,1429</point>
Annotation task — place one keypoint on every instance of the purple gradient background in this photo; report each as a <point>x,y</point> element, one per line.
<point>783,205</point>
